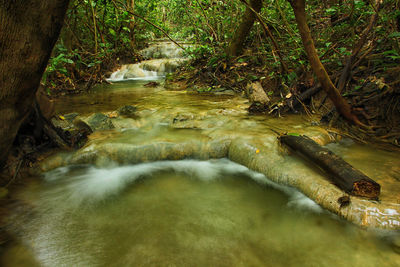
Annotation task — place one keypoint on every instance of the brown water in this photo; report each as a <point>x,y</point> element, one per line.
<point>184,213</point>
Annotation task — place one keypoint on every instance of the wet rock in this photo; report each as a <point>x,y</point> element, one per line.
<point>161,66</point>
<point>152,84</point>
<point>258,98</point>
<point>70,117</point>
<point>81,125</point>
<point>63,124</point>
<point>99,121</point>
<point>256,94</point>
<point>257,108</point>
<point>127,111</point>
<point>182,117</point>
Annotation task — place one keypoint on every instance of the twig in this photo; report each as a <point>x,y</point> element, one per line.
<point>269,34</point>
<point>346,73</point>
<point>207,22</point>
<point>16,172</point>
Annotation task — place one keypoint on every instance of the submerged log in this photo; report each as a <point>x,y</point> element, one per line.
<point>341,173</point>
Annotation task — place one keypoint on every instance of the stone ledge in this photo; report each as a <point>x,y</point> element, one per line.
<point>265,158</point>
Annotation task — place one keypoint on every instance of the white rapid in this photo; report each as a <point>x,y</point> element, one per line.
<point>162,58</point>
<point>90,184</point>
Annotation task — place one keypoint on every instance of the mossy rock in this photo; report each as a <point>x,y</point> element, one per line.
<point>127,111</point>
<point>99,121</point>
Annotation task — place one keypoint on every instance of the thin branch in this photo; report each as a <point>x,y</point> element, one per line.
<point>269,34</point>
<point>207,22</point>
<point>346,73</point>
<point>16,172</point>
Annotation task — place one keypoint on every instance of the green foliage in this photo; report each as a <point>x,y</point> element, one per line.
<point>100,32</point>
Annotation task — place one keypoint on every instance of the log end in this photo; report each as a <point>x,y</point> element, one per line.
<point>366,188</point>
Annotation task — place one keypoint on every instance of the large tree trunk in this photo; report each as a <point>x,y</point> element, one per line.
<point>236,46</point>
<point>319,70</point>
<point>28,31</point>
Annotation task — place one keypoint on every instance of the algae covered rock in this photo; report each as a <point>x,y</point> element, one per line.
<point>70,117</point>
<point>127,111</point>
<point>99,121</point>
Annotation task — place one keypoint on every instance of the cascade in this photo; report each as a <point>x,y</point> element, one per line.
<point>161,58</point>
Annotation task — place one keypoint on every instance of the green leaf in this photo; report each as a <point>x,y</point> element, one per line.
<point>252,77</point>
<point>212,61</point>
<point>112,32</point>
<point>394,34</point>
<point>63,71</point>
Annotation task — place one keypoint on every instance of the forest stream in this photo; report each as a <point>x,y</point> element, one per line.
<point>188,179</point>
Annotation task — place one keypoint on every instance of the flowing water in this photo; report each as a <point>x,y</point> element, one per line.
<point>163,58</point>
<point>188,212</point>
<point>181,213</point>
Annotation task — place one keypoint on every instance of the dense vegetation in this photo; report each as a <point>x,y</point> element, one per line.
<point>357,42</point>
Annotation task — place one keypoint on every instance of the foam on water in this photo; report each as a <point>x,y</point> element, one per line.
<point>135,72</point>
<point>182,213</point>
<point>89,184</point>
<point>162,57</point>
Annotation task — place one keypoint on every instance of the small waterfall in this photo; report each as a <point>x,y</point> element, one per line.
<point>163,50</point>
<point>163,58</point>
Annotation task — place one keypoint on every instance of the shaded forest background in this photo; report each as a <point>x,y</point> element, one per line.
<point>357,42</point>
<point>338,60</point>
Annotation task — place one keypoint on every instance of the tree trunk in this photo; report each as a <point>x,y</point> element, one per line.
<point>341,173</point>
<point>319,70</point>
<point>236,46</point>
<point>131,6</point>
<point>28,31</point>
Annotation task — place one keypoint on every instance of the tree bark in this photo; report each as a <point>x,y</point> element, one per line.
<point>319,70</point>
<point>131,8</point>
<point>341,173</point>
<point>236,46</point>
<point>28,31</point>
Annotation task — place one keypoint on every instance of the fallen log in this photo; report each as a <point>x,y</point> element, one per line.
<point>341,173</point>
